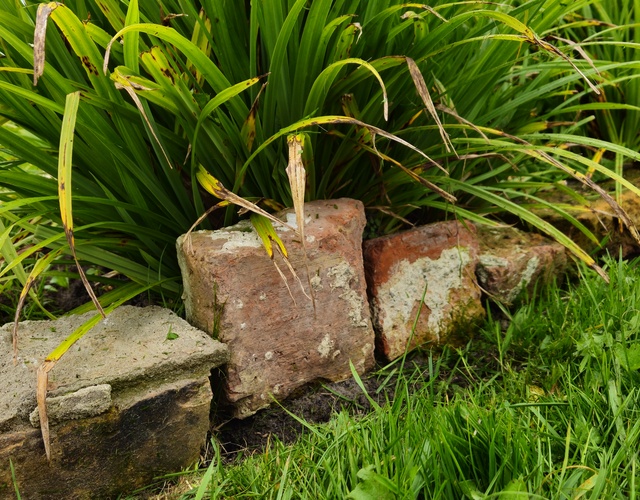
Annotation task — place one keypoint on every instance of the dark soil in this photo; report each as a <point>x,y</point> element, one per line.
<point>317,404</point>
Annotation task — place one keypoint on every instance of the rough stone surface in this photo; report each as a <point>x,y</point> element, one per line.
<point>126,403</point>
<point>440,257</point>
<point>277,342</point>
<point>512,262</point>
<point>84,403</point>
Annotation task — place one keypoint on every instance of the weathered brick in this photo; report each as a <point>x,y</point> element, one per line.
<point>512,262</point>
<point>277,341</point>
<point>440,258</point>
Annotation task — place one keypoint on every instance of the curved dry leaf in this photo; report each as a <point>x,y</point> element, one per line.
<point>423,91</point>
<point>534,40</point>
<point>434,12</point>
<point>41,396</point>
<point>462,120</point>
<point>579,50</point>
<point>39,36</point>
<point>297,180</point>
<point>215,187</point>
<point>122,82</point>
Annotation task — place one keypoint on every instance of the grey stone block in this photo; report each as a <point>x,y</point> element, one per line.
<point>127,402</point>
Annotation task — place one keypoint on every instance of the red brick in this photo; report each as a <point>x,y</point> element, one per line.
<point>441,257</point>
<point>278,345</point>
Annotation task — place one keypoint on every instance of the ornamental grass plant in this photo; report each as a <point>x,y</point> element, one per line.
<point>217,87</point>
<point>120,119</point>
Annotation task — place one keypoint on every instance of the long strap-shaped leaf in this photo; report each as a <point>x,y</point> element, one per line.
<point>65,161</point>
<point>55,355</point>
<point>39,267</point>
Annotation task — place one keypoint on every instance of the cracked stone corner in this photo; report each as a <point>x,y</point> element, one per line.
<point>83,403</point>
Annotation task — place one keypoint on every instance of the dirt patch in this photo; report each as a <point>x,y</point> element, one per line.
<point>318,403</point>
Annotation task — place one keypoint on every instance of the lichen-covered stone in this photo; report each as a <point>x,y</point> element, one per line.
<point>425,274</point>
<point>277,341</point>
<point>126,403</point>
<point>512,262</point>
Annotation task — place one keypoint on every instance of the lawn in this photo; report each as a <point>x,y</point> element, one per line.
<point>542,403</point>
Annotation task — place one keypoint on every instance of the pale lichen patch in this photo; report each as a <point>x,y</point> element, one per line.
<point>398,296</point>
<point>527,274</point>
<point>242,235</point>
<point>326,345</point>
<point>343,275</point>
<point>316,283</point>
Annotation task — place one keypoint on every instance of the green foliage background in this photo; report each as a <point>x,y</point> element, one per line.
<point>219,84</point>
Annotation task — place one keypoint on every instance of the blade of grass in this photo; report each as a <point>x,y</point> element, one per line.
<point>65,163</point>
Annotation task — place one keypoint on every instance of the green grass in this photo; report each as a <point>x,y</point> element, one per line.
<point>547,407</point>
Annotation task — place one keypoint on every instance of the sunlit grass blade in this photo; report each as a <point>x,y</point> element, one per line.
<point>65,164</point>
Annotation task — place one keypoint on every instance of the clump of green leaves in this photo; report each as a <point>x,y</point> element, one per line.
<point>406,107</point>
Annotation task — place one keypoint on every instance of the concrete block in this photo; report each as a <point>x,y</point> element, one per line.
<point>127,402</point>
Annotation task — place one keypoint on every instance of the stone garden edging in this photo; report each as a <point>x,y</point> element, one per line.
<point>131,400</point>
<point>128,402</point>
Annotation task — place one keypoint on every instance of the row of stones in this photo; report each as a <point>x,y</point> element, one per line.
<point>420,286</point>
<point>131,399</point>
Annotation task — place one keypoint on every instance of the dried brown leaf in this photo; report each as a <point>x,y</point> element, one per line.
<point>579,50</point>
<point>83,276</point>
<point>462,120</point>
<point>41,396</point>
<point>534,40</point>
<point>423,91</point>
<point>39,37</point>
<point>249,126</point>
<point>297,180</point>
